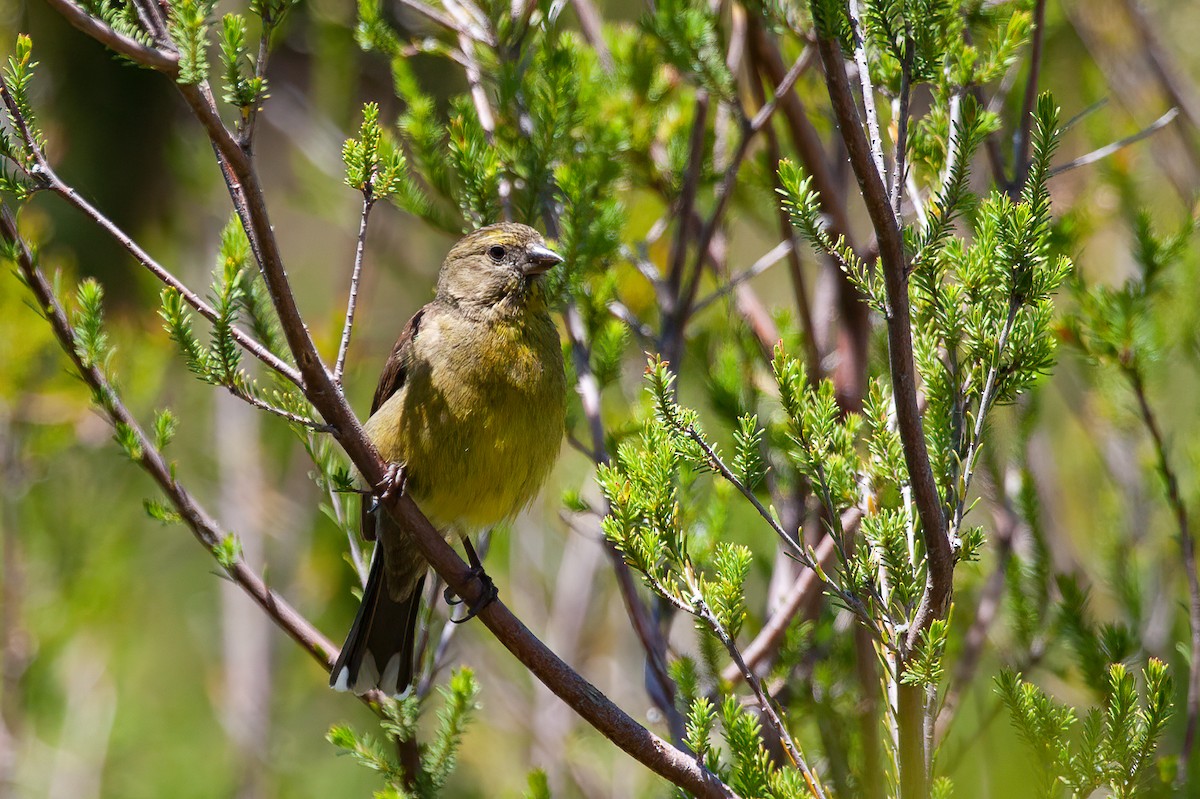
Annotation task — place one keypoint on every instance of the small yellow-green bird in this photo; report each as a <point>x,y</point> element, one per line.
<point>471,404</point>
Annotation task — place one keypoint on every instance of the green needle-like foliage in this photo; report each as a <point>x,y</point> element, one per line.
<point>1110,749</point>
<point>188,22</point>
<point>437,757</point>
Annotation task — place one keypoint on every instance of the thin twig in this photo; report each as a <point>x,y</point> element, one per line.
<point>263,405</point>
<point>249,124</point>
<point>1187,547</point>
<point>797,550</point>
<point>152,18</point>
<point>360,248</point>
<point>206,529</point>
<point>432,14</point>
<point>684,309</point>
<point>648,633</point>
<point>591,25</point>
<point>701,609</point>
<point>1109,149</point>
<point>803,590</point>
<point>773,256</point>
<point>985,404</point>
<point>683,213</point>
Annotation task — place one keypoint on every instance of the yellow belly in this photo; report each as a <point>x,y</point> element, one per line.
<point>479,420</point>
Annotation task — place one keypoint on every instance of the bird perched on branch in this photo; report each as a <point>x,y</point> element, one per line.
<point>471,406</point>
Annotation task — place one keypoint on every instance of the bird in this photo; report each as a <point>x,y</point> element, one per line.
<point>469,410</point>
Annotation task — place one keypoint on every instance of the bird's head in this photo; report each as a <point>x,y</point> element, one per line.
<point>498,266</point>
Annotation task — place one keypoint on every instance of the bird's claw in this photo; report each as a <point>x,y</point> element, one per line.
<point>393,484</point>
<point>487,594</point>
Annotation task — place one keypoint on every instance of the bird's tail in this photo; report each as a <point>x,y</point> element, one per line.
<point>378,652</point>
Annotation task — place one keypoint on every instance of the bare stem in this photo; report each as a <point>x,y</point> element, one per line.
<point>1117,146</point>
<point>1187,547</point>
<point>898,159</point>
<point>359,250</point>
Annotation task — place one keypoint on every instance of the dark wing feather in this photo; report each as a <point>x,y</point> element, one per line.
<point>390,381</point>
<point>396,368</point>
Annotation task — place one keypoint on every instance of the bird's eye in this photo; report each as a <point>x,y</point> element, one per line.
<point>496,253</point>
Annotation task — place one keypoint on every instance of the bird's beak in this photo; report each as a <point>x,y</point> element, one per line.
<point>541,259</point>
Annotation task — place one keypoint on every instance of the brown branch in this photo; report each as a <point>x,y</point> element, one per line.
<point>936,599</point>
<point>167,63</point>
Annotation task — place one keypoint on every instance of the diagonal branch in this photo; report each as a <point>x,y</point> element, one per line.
<point>49,179</point>
<point>1109,149</point>
<point>132,49</point>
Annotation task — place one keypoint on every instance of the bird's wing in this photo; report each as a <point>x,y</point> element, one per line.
<point>396,369</point>
<point>394,373</point>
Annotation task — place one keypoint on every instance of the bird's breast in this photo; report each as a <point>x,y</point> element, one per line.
<point>479,419</point>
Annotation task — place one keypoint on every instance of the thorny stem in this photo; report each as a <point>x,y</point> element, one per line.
<point>360,248</point>
<point>1187,547</point>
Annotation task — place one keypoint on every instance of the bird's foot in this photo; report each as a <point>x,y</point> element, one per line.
<point>393,484</point>
<point>487,594</point>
